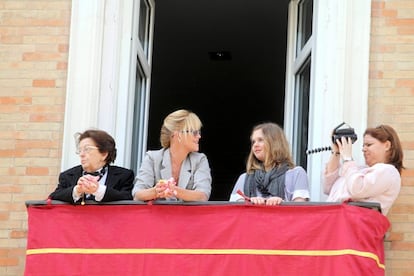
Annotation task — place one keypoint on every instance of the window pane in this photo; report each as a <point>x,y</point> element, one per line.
<point>139,117</point>
<point>144,11</point>
<point>305,13</point>
<point>302,113</point>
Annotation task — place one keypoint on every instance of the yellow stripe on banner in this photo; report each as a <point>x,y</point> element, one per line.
<point>206,252</point>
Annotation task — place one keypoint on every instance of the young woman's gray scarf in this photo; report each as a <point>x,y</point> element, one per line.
<point>271,183</point>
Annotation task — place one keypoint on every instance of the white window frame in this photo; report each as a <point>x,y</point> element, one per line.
<point>102,67</point>
<point>103,50</point>
<point>339,77</point>
<point>143,60</point>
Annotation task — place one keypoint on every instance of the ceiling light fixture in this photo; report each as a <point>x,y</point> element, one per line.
<point>220,55</point>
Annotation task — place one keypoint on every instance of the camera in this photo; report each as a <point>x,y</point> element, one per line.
<point>347,132</point>
<point>342,130</point>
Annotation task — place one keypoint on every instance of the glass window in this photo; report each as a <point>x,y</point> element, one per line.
<point>139,118</point>
<point>143,26</point>
<point>143,36</point>
<point>304,24</point>
<point>301,112</point>
<point>299,75</point>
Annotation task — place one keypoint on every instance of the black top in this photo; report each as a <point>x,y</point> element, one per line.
<point>119,183</point>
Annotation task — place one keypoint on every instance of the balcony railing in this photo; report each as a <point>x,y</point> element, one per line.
<point>205,238</point>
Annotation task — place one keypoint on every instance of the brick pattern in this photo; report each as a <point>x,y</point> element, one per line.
<point>34,37</point>
<point>391,102</point>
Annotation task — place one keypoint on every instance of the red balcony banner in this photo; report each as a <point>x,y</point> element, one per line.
<point>204,240</point>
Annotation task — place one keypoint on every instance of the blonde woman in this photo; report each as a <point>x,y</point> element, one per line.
<point>177,171</point>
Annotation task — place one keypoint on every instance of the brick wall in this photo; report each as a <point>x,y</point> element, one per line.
<point>34,39</point>
<point>391,102</point>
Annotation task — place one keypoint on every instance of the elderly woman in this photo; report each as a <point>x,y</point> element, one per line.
<point>177,171</point>
<point>377,181</point>
<point>94,179</point>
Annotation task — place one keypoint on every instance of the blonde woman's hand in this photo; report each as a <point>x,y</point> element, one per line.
<point>166,188</point>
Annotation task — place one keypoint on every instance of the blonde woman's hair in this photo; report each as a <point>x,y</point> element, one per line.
<point>180,120</point>
<point>276,148</point>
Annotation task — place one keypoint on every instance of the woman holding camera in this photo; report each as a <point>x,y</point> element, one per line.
<point>378,181</point>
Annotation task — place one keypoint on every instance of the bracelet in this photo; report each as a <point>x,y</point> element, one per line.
<point>337,153</point>
<point>346,159</point>
<point>156,194</point>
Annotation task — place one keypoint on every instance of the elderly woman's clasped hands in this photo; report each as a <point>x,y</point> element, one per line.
<point>87,184</point>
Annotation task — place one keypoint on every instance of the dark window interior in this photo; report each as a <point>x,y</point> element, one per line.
<point>224,60</point>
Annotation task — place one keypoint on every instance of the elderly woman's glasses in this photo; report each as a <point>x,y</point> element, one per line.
<point>193,132</point>
<point>86,149</point>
